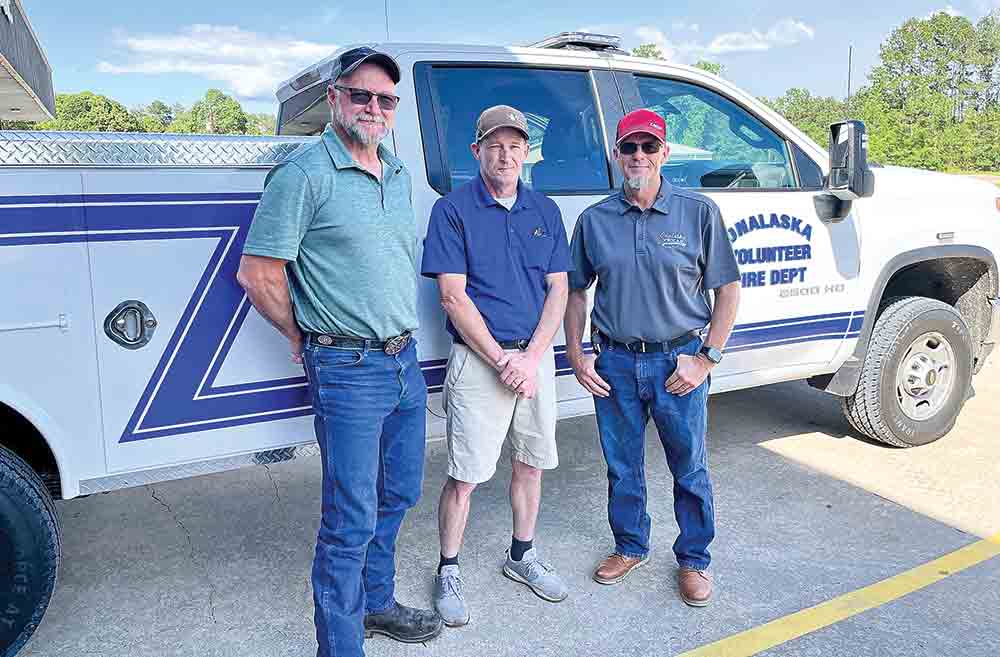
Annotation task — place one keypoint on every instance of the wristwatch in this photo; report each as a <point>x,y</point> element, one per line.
<point>711,353</point>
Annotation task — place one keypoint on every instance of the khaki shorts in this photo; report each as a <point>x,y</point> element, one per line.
<point>483,412</point>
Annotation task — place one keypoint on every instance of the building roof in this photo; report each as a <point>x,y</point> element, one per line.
<point>25,75</point>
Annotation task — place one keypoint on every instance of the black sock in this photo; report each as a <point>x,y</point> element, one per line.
<point>447,561</point>
<point>518,548</point>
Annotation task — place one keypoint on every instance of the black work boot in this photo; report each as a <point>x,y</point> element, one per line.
<point>404,624</point>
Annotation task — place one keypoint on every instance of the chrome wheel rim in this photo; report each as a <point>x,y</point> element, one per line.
<point>925,376</point>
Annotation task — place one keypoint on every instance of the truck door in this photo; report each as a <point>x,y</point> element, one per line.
<point>188,370</point>
<point>47,367</point>
<point>798,272</point>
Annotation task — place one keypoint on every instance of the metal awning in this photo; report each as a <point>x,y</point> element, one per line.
<point>25,75</point>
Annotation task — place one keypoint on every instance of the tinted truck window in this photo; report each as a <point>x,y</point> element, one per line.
<point>566,151</point>
<point>715,143</point>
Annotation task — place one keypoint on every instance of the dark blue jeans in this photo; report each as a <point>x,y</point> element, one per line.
<point>638,392</point>
<point>370,428</point>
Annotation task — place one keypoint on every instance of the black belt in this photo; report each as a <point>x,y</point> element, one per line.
<point>641,347</point>
<point>504,344</point>
<point>392,346</point>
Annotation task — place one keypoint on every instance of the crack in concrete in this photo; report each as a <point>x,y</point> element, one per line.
<point>277,498</point>
<point>212,591</point>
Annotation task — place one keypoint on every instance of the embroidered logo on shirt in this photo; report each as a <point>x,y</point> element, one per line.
<point>539,232</point>
<point>675,240</point>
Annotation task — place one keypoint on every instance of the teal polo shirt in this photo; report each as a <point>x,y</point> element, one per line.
<point>350,240</point>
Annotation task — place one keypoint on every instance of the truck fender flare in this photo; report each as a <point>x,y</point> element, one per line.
<point>845,380</point>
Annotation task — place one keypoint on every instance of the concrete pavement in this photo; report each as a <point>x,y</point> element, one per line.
<point>219,565</point>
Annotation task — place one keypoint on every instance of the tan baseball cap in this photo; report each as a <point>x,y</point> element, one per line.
<point>500,116</point>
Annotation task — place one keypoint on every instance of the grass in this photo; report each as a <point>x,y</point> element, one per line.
<point>992,176</point>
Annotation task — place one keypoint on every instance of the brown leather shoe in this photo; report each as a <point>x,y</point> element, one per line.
<point>695,586</point>
<point>616,567</point>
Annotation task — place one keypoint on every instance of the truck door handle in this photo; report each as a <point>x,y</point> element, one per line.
<point>131,324</point>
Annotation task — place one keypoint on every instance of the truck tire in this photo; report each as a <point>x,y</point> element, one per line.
<point>916,375</point>
<point>29,551</point>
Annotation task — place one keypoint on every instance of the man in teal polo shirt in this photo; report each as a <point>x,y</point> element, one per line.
<point>330,261</point>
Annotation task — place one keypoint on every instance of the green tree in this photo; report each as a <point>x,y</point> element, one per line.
<point>936,54</point>
<point>988,45</point>
<point>714,68</point>
<point>649,50</point>
<point>934,99</point>
<point>17,125</point>
<point>215,114</point>
<point>162,112</point>
<point>810,114</point>
<point>151,123</point>
<point>261,124</point>
<point>87,111</point>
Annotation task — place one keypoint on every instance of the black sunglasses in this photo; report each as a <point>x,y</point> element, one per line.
<point>362,97</point>
<point>648,147</point>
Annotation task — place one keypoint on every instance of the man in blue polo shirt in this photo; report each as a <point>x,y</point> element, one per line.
<point>499,253</point>
<point>656,252</point>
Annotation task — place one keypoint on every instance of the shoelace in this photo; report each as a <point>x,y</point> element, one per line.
<point>538,568</point>
<point>452,584</point>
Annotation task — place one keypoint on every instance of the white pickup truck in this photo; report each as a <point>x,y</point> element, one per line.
<point>129,354</point>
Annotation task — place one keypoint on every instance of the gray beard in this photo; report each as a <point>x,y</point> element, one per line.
<point>639,182</point>
<point>356,132</point>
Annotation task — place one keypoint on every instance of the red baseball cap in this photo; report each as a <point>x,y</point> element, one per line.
<point>642,120</point>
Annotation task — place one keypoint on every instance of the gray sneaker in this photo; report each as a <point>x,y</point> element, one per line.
<point>448,598</point>
<point>538,575</point>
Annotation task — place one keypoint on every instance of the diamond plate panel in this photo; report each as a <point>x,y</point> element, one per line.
<point>212,466</point>
<point>125,149</point>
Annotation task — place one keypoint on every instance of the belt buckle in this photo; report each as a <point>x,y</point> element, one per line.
<point>522,344</point>
<point>324,340</point>
<point>395,345</point>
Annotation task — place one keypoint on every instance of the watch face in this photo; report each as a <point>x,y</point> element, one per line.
<point>713,354</point>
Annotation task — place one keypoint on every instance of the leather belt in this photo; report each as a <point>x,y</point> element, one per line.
<point>391,347</point>
<point>504,344</point>
<point>640,347</point>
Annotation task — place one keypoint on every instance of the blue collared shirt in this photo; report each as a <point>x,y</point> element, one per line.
<point>505,255</point>
<point>653,268</point>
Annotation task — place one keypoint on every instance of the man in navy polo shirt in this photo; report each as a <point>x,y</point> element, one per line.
<point>656,251</point>
<point>500,256</point>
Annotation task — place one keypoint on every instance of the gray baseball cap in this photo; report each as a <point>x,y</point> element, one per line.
<point>500,116</point>
<point>355,57</point>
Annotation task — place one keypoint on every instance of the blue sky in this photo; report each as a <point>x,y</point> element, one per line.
<point>136,52</point>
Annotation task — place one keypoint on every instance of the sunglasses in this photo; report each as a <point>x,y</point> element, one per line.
<point>648,147</point>
<point>362,97</point>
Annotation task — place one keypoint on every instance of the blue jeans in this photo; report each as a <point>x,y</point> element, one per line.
<point>637,391</point>
<point>370,428</point>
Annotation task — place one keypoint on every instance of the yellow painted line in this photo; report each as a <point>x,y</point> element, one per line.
<point>803,622</point>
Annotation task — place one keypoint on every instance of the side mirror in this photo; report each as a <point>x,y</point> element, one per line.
<point>850,178</point>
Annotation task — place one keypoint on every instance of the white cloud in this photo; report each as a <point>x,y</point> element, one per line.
<point>250,64</point>
<point>680,26</point>
<point>785,32</point>
<point>648,34</point>
<point>948,9</point>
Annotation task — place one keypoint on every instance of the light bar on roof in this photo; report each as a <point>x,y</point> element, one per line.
<point>579,40</point>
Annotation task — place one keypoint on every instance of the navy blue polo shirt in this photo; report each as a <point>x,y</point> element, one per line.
<point>505,255</point>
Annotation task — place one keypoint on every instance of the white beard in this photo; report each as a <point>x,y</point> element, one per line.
<point>360,134</point>
<point>639,182</point>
